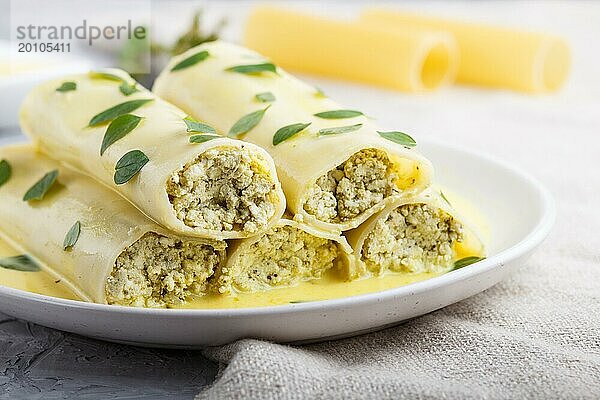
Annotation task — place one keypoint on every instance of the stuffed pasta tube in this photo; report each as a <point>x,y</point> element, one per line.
<point>179,172</point>
<point>288,253</point>
<point>422,234</point>
<point>336,167</point>
<point>96,241</point>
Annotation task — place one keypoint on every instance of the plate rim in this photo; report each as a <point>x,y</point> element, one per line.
<point>523,247</point>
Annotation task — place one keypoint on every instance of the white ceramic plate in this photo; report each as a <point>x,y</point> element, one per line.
<point>520,213</point>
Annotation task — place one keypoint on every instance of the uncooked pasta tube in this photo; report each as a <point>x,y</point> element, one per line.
<point>335,165</point>
<point>287,254</point>
<point>179,173</point>
<point>492,56</point>
<point>96,241</point>
<point>422,234</point>
<point>409,60</point>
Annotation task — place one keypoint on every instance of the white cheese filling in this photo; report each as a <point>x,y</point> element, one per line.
<point>224,189</point>
<point>157,271</point>
<point>352,188</point>
<point>283,256</point>
<point>413,238</point>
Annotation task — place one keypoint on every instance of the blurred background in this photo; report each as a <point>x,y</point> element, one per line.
<point>456,111</point>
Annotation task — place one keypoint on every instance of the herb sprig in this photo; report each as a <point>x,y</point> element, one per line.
<point>288,131</point>
<point>463,262</point>
<point>443,196</point>
<point>203,138</point>
<point>247,123</point>
<point>67,87</point>
<point>253,69</point>
<point>41,187</point>
<point>339,114</point>
<point>5,172</point>
<point>340,129</point>
<point>191,60</point>
<point>21,262</point>
<point>125,87</point>
<point>129,165</point>
<point>398,137</point>
<point>119,128</point>
<point>72,236</point>
<point>266,97</point>
<point>199,127</point>
<point>116,111</point>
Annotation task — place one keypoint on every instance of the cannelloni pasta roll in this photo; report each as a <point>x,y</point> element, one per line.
<point>490,56</point>
<point>336,167</point>
<point>422,234</point>
<point>288,253</point>
<point>179,173</point>
<point>410,60</point>
<point>96,241</point>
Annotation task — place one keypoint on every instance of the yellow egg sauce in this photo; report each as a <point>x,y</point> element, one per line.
<point>40,282</point>
<point>329,287</point>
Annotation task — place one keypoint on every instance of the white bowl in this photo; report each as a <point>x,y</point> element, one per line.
<point>520,212</point>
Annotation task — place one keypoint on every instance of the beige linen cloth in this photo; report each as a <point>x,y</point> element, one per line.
<point>534,336</point>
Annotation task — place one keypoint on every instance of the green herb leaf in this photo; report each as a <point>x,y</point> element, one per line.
<point>399,137</point>
<point>119,128</point>
<point>300,301</point>
<point>247,122</point>
<point>118,110</point>
<point>20,263</point>
<point>445,199</point>
<point>266,97</point>
<point>202,138</point>
<point>125,87</point>
<point>128,88</point>
<point>320,94</point>
<point>67,87</point>
<point>72,236</point>
<point>339,129</point>
<point>105,75</point>
<point>191,60</point>
<point>338,114</point>
<point>41,187</point>
<point>463,262</point>
<point>129,165</point>
<point>5,172</point>
<point>195,126</point>
<point>253,68</point>
<point>287,132</point>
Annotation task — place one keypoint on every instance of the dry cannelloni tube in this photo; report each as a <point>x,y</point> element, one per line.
<point>336,167</point>
<point>422,234</point>
<point>287,254</point>
<point>179,172</point>
<point>411,59</point>
<point>105,249</point>
<point>490,56</point>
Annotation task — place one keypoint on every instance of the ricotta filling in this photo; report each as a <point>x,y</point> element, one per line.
<point>158,271</point>
<point>224,189</point>
<point>283,256</point>
<point>353,187</point>
<point>413,238</point>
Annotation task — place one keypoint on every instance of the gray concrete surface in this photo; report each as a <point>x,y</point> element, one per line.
<point>42,363</point>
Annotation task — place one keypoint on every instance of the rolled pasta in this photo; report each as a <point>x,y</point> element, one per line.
<point>336,170</point>
<point>118,255</point>
<point>410,60</point>
<point>489,55</point>
<point>422,234</point>
<point>216,188</point>
<point>288,253</point>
